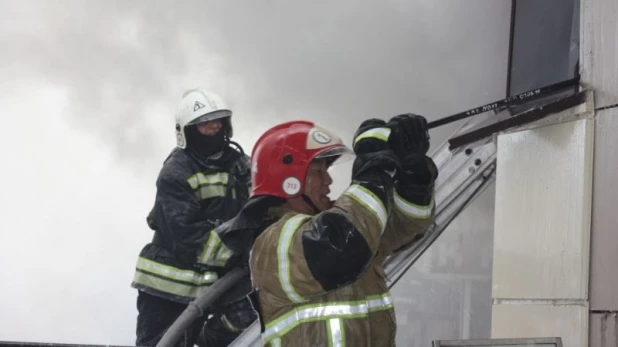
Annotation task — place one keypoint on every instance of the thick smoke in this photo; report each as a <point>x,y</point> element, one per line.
<point>125,64</point>
<point>88,91</point>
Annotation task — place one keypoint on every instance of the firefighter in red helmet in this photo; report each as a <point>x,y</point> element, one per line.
<point>316,264</point>
<point>283,156</point>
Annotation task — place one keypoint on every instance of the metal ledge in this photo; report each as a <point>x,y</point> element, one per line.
<point>526,117</point>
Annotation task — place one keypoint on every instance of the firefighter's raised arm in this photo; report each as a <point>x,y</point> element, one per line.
<point>413,200</point>
<point>320,253</point>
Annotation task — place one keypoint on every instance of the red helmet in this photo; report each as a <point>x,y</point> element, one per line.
<point>282,155</point>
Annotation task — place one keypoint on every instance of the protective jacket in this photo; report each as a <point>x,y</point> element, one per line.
<point>194,195</point>
<point>319,279</point>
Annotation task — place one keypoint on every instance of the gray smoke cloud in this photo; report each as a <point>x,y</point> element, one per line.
<point>125,65</point>
<point>89,90</point>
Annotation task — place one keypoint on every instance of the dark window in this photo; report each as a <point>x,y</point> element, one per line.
<point>544,47</point>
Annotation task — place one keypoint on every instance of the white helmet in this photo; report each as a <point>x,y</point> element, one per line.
<point>197,106</point>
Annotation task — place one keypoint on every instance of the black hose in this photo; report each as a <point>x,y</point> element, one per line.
<point>196,308</point>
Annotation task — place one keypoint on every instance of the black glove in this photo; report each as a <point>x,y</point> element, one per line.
<point>369,137</point>
<point>409,137</point>
<point>410,141</point>
<point>373,152</point>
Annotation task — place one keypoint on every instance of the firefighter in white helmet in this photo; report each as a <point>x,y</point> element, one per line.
<point>204,182</point>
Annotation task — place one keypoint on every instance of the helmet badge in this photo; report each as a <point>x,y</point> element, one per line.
<point>197,106</point>
<point>321,137</point>
<point>291,185</point>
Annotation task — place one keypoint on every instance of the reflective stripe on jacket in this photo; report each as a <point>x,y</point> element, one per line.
<point>168,279</point>
<point>331,315</point>
<point>295,308</point>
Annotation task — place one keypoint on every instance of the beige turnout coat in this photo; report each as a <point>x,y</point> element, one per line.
<point>295,308</point>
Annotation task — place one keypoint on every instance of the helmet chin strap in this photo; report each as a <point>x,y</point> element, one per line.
<point>310,203</point>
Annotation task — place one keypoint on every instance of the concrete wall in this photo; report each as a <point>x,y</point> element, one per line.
<point>604,243</point>
<point>599,49</point>
<point>556,223</point>
<point>599,70</point>
<point>541,234</point>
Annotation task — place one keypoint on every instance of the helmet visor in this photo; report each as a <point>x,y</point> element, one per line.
<point>211,116</point>
<point>336,155</point>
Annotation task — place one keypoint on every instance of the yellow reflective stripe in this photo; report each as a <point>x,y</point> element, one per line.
<point>222,256</point>
<point>200,179</point>
<point>208,192</point>
<point>379,302</point>
<point>160,284</point>
<point>325,312</point>
<point>376,133</point>
<point>215,252</point>
<point>275,343</point>
<point>412,210</point>
<point>210,247</point>
<point>173,273</point>
<point>370,201</point>
<point>210,186</point>
<point>335,333</point>
<point>230,327</point>
<point>283,247</point>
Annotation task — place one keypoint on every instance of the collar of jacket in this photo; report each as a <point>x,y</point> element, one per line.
<point>224,159</point>
<point>276,212</point>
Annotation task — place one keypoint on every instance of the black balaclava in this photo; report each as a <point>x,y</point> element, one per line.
<point>206,146</point>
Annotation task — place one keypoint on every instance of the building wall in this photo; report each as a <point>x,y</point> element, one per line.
<point>599,70</point>
<point>545,283</point>
<point>599,49</point>
<point>541,233</point>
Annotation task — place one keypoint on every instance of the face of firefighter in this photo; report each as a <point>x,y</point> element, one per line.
<point>209,128</point>
<point>317,184</point>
